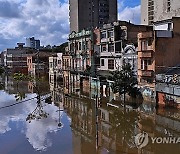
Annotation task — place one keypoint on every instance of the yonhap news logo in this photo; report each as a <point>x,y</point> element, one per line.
<point>142,140</point>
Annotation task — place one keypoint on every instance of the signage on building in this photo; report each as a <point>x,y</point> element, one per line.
<point>169,79</point>
<point>82,33</point>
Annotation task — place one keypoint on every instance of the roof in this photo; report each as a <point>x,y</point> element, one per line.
<point>42,54</point>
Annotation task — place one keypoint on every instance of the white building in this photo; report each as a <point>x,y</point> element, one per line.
<point>158,10</point>
<point>110,48</point>
<point>32,43</point>
<point>55,68</point>
<point>130,56</point>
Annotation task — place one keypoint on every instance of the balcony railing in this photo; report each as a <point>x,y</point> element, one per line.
<point>145,35</point>
<point>145,73</point>
<point>146,54</point>
<point>105,40</point>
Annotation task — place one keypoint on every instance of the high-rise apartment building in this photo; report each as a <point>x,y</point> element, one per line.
<point>32,43</point>
<point>158,10</point>
<point>91,13</point>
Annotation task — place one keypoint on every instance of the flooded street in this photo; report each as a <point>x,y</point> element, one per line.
<point>40,118</point>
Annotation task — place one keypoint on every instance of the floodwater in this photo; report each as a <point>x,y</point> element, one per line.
<point>55,123</point>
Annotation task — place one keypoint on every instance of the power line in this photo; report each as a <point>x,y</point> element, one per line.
<point>18,103</point>
<point>21,102</point>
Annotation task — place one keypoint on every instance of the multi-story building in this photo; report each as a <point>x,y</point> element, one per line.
<point>66,73</point>
<point>158,51</point>
<point>118,44</point>
<point>33,43</point>
<point>56,68</point>
<point>91,13</point>
<point>82,62</point>
<point>38,63</point>
<point>15,59</point>
<point>168,88</point>
<point>158,10</point>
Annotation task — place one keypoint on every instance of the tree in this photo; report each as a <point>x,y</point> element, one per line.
<point>124,81</point>
<point>60,48</point>
<point>1,70</point>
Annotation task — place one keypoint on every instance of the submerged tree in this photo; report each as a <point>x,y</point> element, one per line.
<point>124,81</point>
<point>38,113</point>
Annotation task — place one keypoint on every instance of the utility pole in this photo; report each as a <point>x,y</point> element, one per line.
<point>38,63</point>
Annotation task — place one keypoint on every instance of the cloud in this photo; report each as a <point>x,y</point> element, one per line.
<point>131,14</point>
<point>47,20</point>
<point>37,131</point>
<point>9,10</point>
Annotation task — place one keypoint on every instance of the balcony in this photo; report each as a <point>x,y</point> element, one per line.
<point>146,54</point>
<point>106,40</point>
<point>144,35</point>
<point>145,73</point>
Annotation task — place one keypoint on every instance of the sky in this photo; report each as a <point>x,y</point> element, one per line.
<point>47,20</point>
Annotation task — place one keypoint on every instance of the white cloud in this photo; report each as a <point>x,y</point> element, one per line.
<point>37,131</point>
<point>130,14</point>
<point>47,20</point>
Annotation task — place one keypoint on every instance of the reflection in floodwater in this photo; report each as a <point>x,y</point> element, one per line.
<point>67,124</point>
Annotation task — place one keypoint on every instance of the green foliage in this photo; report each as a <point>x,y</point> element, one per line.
<point>124,80</point>
<point>1,70</point>
<point>21,77</point>
<point>60,48</point>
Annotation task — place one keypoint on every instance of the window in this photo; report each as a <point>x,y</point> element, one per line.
<point>103,116</point>
<point>118,47</point>
<point>150,11</point>
<point>145,63</point>
<point>59,61</point>
<point>103,35</point>
<point>76,46</point>
<point>55,62</point>
<point>84,45</point>
<point>111,48</point>
<point>168,5</point>
<point>87,45</point>
<point>102,62</point>
<point>110,64</point>
<point>110,34</point>
<point>170,26</point>
<point>51,65</point>
<point>103,48</point>
<point>144,45</point>
<point>79,45</point>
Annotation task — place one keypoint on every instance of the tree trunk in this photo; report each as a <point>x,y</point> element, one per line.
<point>124,100</point>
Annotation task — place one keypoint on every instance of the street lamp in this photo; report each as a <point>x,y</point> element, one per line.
<point>60,124</point>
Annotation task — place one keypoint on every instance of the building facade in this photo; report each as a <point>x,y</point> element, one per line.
<point>158,51</point>
<point>158,10</point>
<point>15,59</point>
<point>91,13</point>
<point>38,63</point>
<point>81,64</point>
<point>118,44</point>
<point>33,43</point>
<point>56,68</point>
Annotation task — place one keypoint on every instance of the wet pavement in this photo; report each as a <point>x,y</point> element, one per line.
<point>55,123</point>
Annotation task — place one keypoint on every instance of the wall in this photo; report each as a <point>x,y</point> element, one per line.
<point>161,12</point>
<point>144,15</point>
<point>168,49</point>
